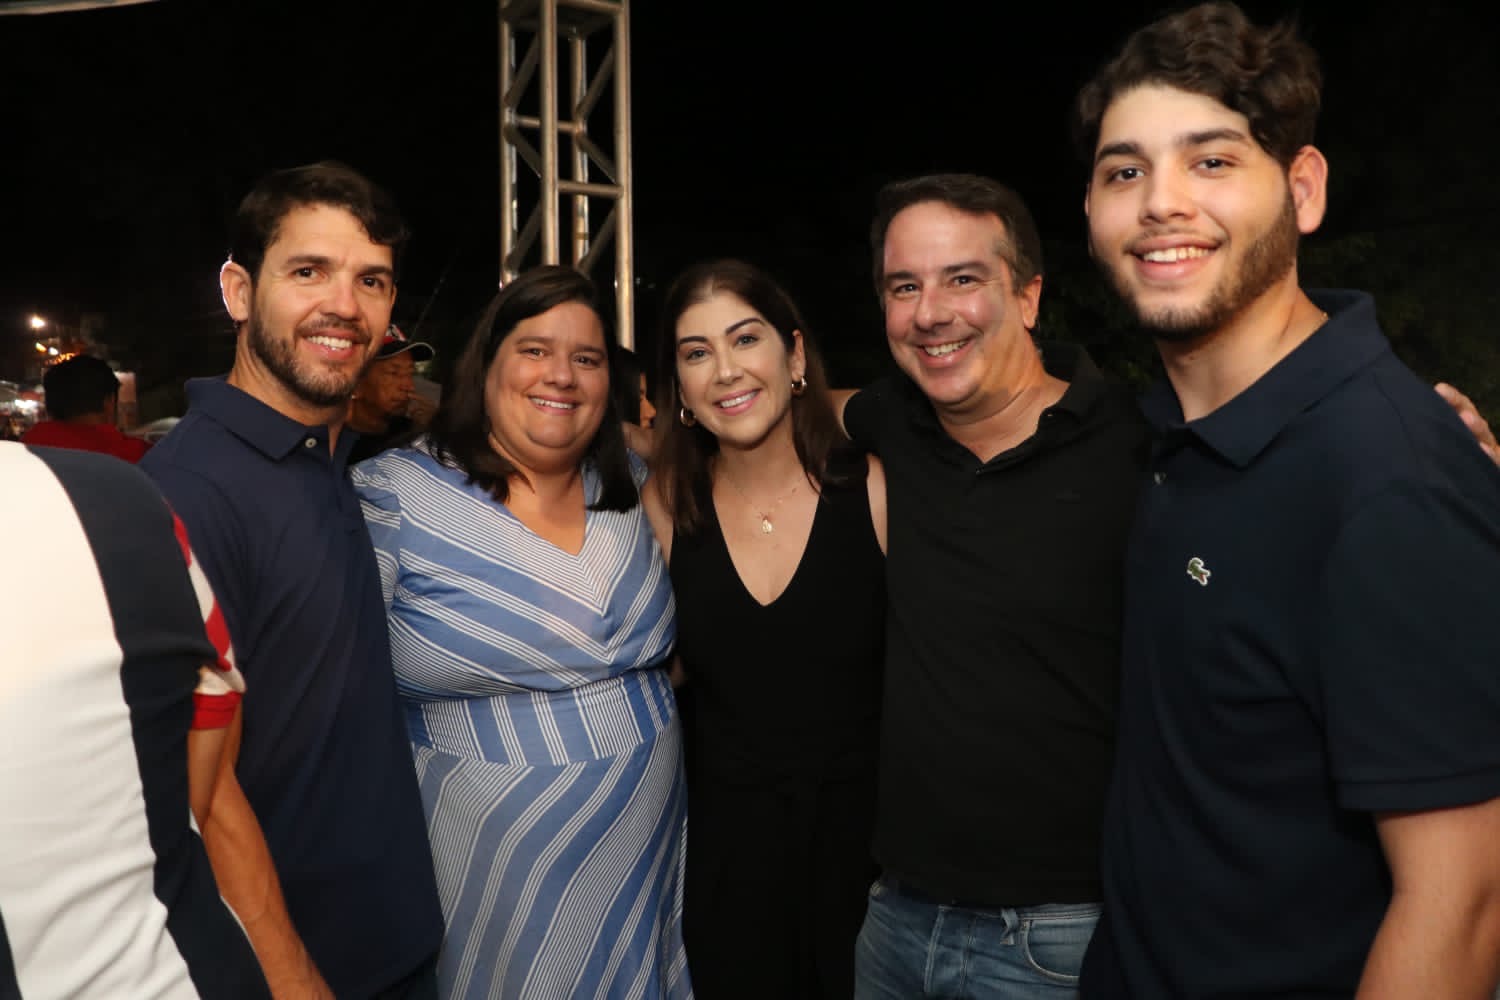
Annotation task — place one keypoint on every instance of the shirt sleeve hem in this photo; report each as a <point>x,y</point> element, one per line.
<point>1421,793</point>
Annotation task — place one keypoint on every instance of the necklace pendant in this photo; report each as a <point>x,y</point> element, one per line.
<point>765,525</point>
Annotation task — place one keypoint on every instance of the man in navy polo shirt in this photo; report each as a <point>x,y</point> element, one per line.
<point>256,469</point>
<point>1306,797</point>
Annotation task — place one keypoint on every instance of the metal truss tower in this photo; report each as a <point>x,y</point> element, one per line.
<point>548,210</point>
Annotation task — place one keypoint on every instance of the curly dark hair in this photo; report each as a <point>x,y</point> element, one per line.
<point>460,430</point>
<point>1268,74</point>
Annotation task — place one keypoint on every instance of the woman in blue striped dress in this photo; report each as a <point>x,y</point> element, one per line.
<point>531,617</point>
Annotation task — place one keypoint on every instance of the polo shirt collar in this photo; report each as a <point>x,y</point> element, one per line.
<point>273,434</point>
<point>1072,364</point>
<point>1241,429</point>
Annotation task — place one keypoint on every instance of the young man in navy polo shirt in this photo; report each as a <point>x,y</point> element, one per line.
<point>1306,798</point>
<point>256,469</point>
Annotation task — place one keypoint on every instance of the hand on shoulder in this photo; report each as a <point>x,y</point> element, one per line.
<point>1473,420</point>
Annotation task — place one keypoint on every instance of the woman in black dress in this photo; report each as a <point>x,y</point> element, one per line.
<point>774,531</point>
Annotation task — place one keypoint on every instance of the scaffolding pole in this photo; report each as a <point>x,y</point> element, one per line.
<point>541,210</point>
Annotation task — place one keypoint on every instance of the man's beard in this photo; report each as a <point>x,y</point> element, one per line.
<point>309,383</point>
<point>1266,262</point>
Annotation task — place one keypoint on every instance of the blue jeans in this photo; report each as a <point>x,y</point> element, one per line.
<point>911,947</point>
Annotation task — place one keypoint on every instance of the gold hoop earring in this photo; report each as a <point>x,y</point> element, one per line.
<point>686,416</point>
<point>799,385</point>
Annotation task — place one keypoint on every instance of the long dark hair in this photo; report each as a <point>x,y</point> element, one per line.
<point>460,433</point>
<point>683,454</point>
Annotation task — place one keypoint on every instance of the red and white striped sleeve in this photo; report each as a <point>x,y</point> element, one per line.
<point>220,685</point>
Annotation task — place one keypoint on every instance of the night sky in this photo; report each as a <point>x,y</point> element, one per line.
<point>761,130</point>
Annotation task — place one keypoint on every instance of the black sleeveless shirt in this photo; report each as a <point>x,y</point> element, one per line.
<point>790,689</point>
<point>781,713</point>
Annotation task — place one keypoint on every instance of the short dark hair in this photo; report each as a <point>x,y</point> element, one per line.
<point>460,431</point>
<point>972,195</point>
<point>258,220</point>
<point>1269,75</point>
<point>79,387</point>
<point>682,454</point>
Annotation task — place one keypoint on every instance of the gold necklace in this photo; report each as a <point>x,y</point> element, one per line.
<point>766,527</point>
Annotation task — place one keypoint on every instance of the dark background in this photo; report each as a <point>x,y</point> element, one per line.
<point>128,135</point>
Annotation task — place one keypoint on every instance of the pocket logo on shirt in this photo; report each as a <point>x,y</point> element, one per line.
<point>1199,572</point>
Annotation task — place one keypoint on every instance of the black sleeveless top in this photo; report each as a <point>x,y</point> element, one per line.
<point>781,715</point>
<point>789,689</point>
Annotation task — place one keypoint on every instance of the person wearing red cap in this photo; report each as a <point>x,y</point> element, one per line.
<point>380,407</point>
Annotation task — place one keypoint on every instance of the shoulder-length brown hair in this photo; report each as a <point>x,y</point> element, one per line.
<point>683,455</point>
<point>460,431</point>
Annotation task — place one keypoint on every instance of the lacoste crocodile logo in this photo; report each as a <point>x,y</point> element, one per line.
<point>1198,571</point>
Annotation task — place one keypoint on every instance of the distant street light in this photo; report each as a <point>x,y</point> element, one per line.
<point>37,323</point>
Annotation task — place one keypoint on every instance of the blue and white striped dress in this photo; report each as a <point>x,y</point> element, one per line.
<point>545,735</point>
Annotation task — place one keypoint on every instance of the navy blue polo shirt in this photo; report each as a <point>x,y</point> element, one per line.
<point>325,761</point>
<point>1312,637</point>
<point>1002,639</point>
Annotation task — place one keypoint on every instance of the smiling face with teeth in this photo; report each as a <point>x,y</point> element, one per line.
<point>308,318</point>
<point>734,370</point>
<point>1190,220</point>
<point>546,390</point>
<point>955,321</point>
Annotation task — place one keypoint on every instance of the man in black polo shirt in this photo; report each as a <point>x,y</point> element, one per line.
<point>1010,476</point>
<point>256,469</point>
<point>1306,800</point>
